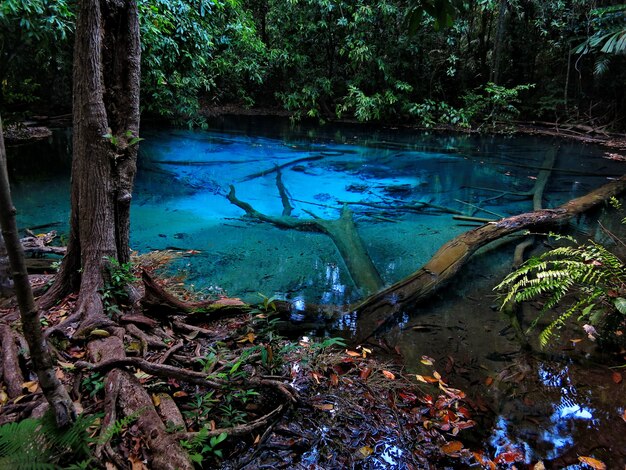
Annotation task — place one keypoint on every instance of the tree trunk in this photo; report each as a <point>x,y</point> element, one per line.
<point>378,308</point>
<point>53,389</point>
<point>497,47</point>
<point>106,122</point>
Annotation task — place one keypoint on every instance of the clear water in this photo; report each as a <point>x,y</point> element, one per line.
<point>183,206</point>
<point>180,203</point>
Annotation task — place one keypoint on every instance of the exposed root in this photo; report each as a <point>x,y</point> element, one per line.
<point>12,373</point>
<point>241,430</point>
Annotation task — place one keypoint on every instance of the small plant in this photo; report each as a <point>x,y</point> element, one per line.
<point>114,293</point>
<point>93,384</point>
<point>202,446</point>
<point>594,276</point>
<point>38,443</point>
<point>199,409</point>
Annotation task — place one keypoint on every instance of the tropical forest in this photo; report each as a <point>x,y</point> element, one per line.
<point>312,234</point>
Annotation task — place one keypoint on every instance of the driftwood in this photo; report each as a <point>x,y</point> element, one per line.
<point>39,245</point>
<point>342,232</point>
<point>158,300</point>
<point>269,171</point>
<point>378,308</point>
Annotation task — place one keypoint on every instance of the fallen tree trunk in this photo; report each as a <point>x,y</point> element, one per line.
<point>378,308</point>
<point>342,232</point>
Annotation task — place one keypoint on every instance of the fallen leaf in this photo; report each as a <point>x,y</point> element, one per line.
<point>488,381</point>
<point>257,439</point>
<point>364,452</point>
<point>334,380</point>
<point>353,353</point>
<point>3,397</point>
<point>389,375</point>
<point>141,375</point>
<point>156,400</point>
<point>576,340</point>
<point>365,373</point>
<point>66,365</point>
<point>427,361</point>
<point>480,458</point>
<point>136,463</point>
<point>325,406</point>
<point>97,333</point>
<point>316,376</point>
<point>437,375</point>
<point>31,386</point>
<point>509,457</point>
<point>366,352</point>
<point>617,377</point>
<point>451,447</point>
<point>250,337</point>
<point>179,394</point>
<point>77,354</point>
<point>593,463</point>
<point>538,466</point>
<point>426,379</point>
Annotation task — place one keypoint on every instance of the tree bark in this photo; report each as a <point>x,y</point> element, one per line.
<point>378,308</point>
<point>106,120</point>
<point>52,388</point>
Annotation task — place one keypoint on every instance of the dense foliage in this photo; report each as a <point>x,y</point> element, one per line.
<point>462,63</point>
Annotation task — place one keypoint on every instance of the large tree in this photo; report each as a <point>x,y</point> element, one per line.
<point>106,125</point>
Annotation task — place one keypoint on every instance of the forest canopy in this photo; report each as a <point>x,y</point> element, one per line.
<point>437,62</point>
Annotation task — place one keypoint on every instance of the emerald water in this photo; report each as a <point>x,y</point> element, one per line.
<point>541,405</point>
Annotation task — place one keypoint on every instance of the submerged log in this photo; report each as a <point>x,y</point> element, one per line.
<point>380,307</point>
<point>342,232</point>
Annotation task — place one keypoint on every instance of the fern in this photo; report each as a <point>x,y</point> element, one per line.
<point>38,444</point>
<point>590,272</point>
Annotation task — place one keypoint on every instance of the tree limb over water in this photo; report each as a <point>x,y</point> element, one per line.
<point>380,307</point>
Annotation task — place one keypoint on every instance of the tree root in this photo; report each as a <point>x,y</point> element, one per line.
<point>123,390</point>
<point>12,374</point>
<point>198,378</point>
<point>241,430</point>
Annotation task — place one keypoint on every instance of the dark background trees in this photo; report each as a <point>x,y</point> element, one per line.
<point>367,59</point>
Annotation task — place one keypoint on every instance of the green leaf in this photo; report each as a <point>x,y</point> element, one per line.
<point>620,305</point>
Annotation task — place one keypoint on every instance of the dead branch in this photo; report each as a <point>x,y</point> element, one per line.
<point>269,171</point>
<point>241,430</point>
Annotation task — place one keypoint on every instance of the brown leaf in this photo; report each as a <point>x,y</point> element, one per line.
<point>334,379</point>
<point>510,457</point>
<point>136,463</point>
<point>353,353</point>
<point>325,406</point>
<point>364,452</point>
<point>250,337</point>
<point>426,379</point>
<point>593,463</point>
<point>389,375</point>
<point>617,377</point>
<point>316,376</point>
<point>488,381</point>
<point>180,393</point>
<point>31,386</point>
<point>365,373</point>
<point>451,447</point>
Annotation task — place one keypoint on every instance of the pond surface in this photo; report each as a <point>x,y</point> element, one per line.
<point>404,188</point>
